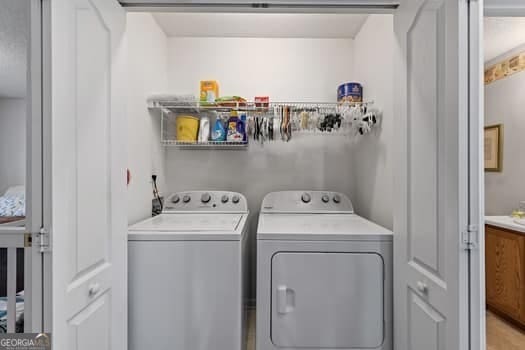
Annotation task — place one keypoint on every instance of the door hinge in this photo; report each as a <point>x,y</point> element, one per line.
<point>28,240</point>
<point>470,237</point>
<point>43,241</point>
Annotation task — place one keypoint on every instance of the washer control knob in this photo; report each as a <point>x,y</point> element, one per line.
<point>337,198</point>
<point>306,198</point>
<point>186,198</point>
<point>175,199</point>
<point>236,199</point>
<point>225,198</point>
<point>325,198</point>
<point>205,198</point>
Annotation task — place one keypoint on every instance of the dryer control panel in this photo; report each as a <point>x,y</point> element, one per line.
<point>306,202</point>
<point>206,201</point>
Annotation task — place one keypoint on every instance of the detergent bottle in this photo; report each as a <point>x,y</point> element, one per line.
<point>233,129</point>
<point>219,131</point>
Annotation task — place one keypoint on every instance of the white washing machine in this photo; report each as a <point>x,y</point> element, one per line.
<point>187,283</point>
<point>324,275</point>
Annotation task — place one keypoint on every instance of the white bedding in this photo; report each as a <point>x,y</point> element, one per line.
<point>19,313</point>
<point>13,204</point>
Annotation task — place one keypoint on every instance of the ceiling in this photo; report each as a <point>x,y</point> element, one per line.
<point>13,48</point>
<point>260,25</point>
<point>502,34</point>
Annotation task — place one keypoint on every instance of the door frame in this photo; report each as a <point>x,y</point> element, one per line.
<point>33,175</point>
<point>34,171</point>
<point>483,8</point>
<point>504,8</point>
<point>476,186</point>
<point>47,297</point>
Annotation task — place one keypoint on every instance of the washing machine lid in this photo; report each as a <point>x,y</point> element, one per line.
<point>320,227</point>
<point>190,226</point>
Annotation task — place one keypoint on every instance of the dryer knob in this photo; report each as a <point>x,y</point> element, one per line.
<point>205,198</point>
<point>325,198</point>
<point>306,198</point>
<point>175,199</point>
<point>186,199</point>
<point>337,198</point>
<point>225,198</point>
<point>236,199</point>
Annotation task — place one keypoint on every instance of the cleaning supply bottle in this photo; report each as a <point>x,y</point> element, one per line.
<point>219,131</point>
<point>233,134</point>
<point>242,127</point>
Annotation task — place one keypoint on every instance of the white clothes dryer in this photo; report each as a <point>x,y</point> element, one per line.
<point>324,275</point>
<point>187,283</point>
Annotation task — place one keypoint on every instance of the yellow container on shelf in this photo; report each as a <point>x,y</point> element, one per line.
<point>209,91</point>
<point>187,128</point>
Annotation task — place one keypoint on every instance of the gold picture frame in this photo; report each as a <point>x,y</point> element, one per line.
<point>493,147</point>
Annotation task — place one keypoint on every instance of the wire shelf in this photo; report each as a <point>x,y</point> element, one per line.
<point>222,145</point>
<point>252,107</point>
<point>271,122</point>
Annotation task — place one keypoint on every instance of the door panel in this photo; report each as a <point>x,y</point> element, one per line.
<point>88,287</point>
<point>426,327</point>
<point>88,175</point>
<point>425,55</point>
<point>327,300</point>
<point>92,123</point>
<point>431,177</point>
<point>89,329</point>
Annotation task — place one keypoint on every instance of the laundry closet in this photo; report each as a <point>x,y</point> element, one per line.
<point>298,61</point>
<point>292,59</point>
<point>280,74</point>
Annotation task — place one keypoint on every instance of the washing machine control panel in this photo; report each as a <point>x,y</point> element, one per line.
<point>306,202</point>
<point>211,201</point>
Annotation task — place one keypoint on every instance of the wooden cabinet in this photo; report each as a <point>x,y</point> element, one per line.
<point>505,272</point>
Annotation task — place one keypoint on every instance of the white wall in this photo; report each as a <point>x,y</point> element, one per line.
<point>147,45</point>
<point>14,38</point>
<point>505,104</point>
<point>12,142</point>
<point>372,154</point>
<point>286,70</point>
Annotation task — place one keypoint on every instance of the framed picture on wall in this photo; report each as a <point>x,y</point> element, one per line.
<point>493,148</point>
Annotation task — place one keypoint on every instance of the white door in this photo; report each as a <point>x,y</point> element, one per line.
<point>88,176</point>
<point>431,219</point>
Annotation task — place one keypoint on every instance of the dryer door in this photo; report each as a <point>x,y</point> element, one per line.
<point>327,300</point>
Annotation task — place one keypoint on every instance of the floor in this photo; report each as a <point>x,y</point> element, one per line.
<point>251,329</point>
<point>502,335</point>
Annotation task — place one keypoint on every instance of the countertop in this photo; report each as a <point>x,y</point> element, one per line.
<point>504,222</point>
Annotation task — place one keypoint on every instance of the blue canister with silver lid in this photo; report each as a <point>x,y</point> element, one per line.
<point>350,92</point>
